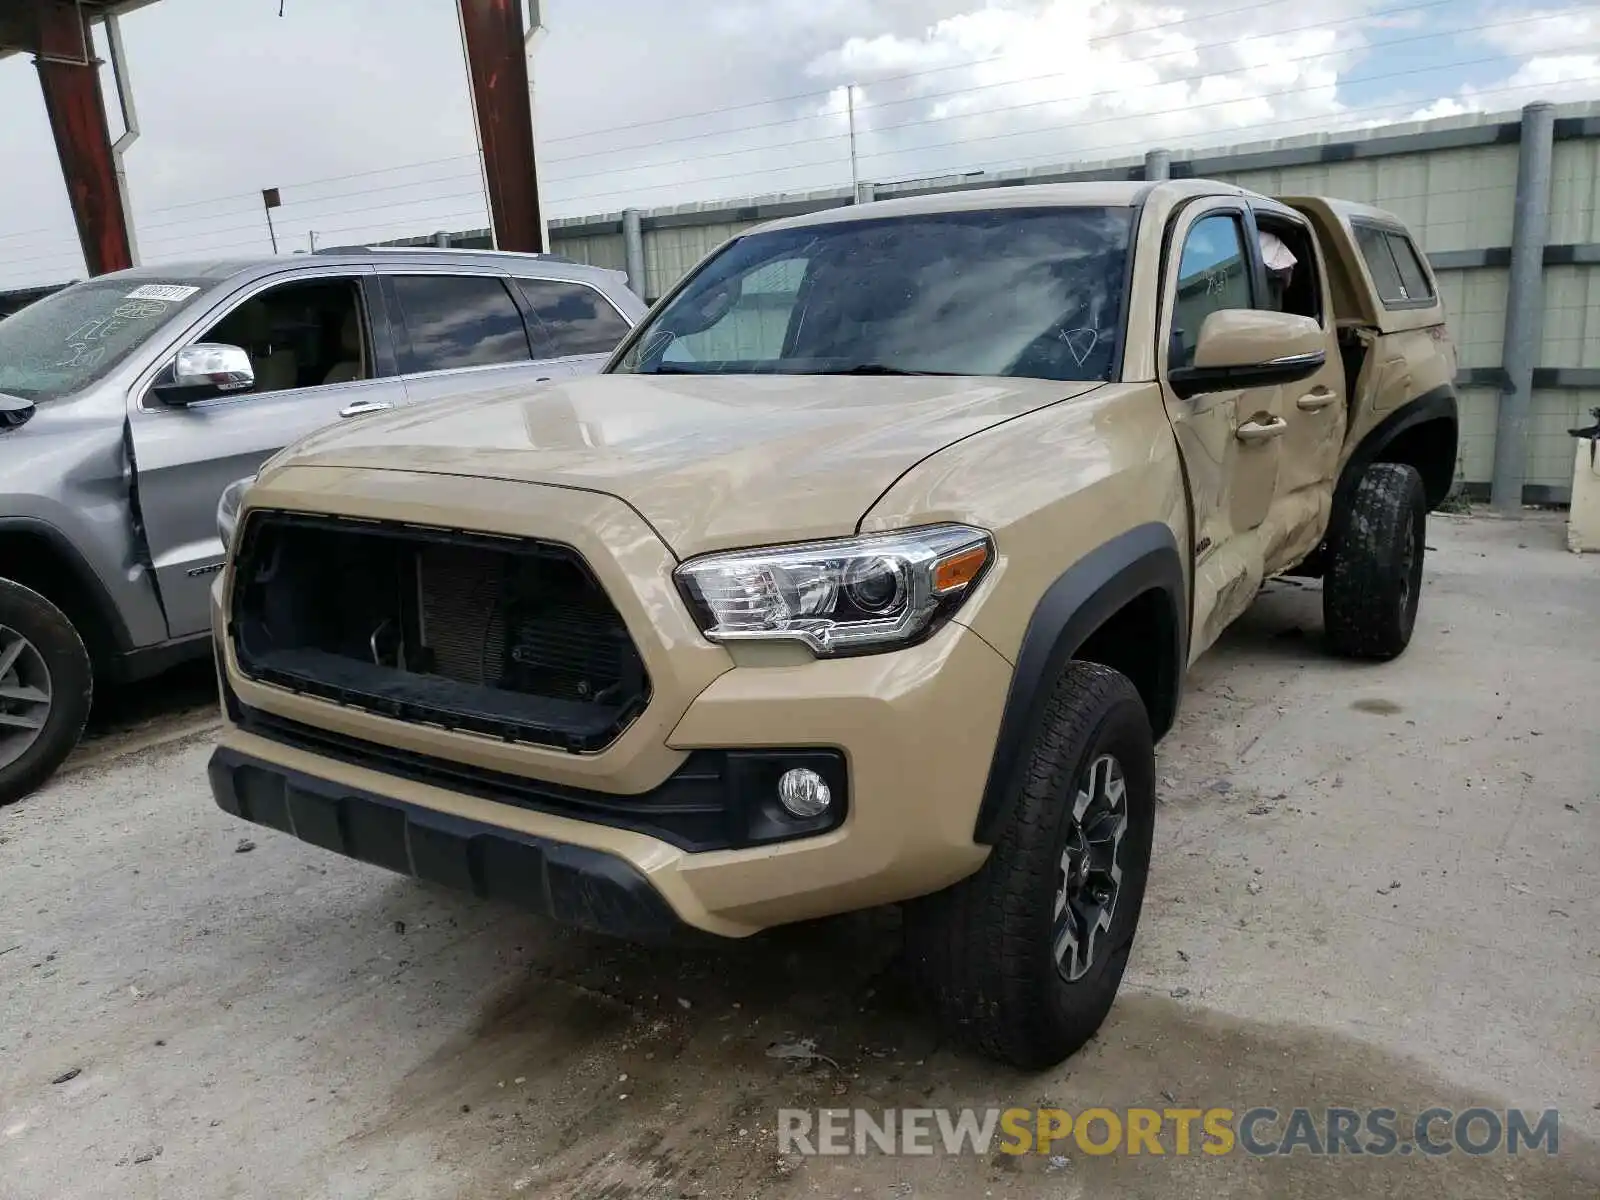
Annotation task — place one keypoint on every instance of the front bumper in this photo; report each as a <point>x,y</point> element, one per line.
<point>572,884</point>
<point>915,730</point>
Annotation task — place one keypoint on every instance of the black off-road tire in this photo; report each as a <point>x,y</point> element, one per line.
<point>1374,577</point>
<point>983,950</point>
<point>71,679</point>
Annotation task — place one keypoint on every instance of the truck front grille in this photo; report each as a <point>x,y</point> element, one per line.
<point>509,637</point>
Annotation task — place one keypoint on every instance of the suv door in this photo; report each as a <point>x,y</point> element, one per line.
<point>319,347</point>
<point>1229,440</point>
<point>455,327</point>
<point>578,323</point>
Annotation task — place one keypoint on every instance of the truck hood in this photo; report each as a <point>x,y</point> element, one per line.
<point>710,462</point>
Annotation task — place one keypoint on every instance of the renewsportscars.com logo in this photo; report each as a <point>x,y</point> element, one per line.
<point>1261,1132</point>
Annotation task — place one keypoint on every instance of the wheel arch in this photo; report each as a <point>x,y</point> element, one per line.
<point>1423,433</point>
<point>1124,606</point>
<point>39,557</point>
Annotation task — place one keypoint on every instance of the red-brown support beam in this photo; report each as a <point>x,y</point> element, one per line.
<point>69,76</point>
<point>492,30</point>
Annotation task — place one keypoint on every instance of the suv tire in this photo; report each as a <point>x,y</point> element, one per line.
<point>1374,577</point>
<point>45,677</point>
<point>991,951</point>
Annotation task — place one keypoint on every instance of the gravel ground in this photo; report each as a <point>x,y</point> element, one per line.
<point>1373,886</point>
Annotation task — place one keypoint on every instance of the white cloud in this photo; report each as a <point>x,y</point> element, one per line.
<point>644,103</point>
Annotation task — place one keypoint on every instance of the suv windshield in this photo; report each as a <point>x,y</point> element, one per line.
<point>1020,292</point>
<point>68,340</point>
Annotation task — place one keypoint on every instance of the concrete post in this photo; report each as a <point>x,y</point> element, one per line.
<point>1157,164</point>
<point>633,250</point>
<point>1530,230</point>
<point>441,239</point>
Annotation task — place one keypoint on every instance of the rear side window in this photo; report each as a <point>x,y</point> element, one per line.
<point>1395,266</point>
<point>574,319</point>
<point>1412,275</point>
<point>458,321</point>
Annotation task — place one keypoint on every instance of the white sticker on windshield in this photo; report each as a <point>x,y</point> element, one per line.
<point>162,291</point>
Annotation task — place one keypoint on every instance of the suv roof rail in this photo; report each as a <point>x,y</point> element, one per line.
<point>560,258</point>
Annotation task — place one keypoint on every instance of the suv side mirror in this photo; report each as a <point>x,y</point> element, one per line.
<point>1245,347</point>
<point>205,371</point>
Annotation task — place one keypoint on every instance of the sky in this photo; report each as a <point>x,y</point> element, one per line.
<point>359,110</point>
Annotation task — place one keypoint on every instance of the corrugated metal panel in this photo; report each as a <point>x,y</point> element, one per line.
<point>1571,318</point>
<point>1575,192</point>
<point>1475,306</point>
<point>670,253</point>
<point>1549,444</point>
<point>1451,199</point>
<point>601,250</point>
<point>1478,408</point>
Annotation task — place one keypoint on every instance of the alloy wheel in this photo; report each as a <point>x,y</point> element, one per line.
<point>1090,875</point>
<point>24,695</point>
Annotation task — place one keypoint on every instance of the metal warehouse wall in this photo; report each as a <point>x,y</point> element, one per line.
<point>1453,182</point>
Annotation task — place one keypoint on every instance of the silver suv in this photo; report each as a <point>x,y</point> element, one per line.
<point>130,402</point>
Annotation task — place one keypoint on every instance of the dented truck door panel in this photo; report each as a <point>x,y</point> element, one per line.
<point>1316,412</point>
<point>1230,441</point>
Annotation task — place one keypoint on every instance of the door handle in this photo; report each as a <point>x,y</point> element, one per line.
<point>1261,431</point>
<point>1316,400</point>
<point>361,408</point>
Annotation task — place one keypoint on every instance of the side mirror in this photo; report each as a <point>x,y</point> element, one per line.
<point>205,371</point>
<point>1244,348</point>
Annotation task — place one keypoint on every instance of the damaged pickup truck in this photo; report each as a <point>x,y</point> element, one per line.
<point>868,572</point>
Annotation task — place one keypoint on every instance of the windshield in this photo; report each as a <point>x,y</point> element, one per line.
<point>1021,292</point>
<point>68,340</point>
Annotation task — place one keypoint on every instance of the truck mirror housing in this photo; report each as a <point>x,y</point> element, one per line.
<point>1244,347</point>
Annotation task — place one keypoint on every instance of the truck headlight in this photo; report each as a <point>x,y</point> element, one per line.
<point>853,595</point>
<point>228,509</point>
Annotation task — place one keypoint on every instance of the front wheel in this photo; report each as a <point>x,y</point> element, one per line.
<point>1374,579</point>
<point>46,684</point>
<point>1023,959</point>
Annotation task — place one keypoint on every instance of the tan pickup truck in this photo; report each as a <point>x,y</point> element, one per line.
<point>868,572</point>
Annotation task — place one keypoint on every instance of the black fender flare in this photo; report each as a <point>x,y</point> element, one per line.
<point>1081,600</point>
<point>1435,404</point>
<point>93,590</point>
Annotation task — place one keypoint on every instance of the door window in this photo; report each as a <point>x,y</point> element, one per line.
<point>1293,282</point>
<point>458,321</point>
<point>302,334</point>
<point>574,318</point>
<point>1213,274</point>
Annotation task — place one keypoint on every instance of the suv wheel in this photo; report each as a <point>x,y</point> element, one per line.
<point>1374,576</point>
<point>46,685</point>
<point>1023,959</point>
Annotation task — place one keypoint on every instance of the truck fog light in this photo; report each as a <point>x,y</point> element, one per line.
<point>804,793</point>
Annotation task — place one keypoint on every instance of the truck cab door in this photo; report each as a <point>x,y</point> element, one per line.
<point>313,353</point>
<point>1315,409</point>
<point>1231,442</point>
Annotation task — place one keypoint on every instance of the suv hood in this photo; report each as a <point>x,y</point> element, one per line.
<point>711,462</point>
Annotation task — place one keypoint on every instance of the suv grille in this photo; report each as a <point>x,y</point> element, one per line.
<point>504,636</point>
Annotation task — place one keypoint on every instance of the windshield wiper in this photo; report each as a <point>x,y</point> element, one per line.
<point>878,369</point>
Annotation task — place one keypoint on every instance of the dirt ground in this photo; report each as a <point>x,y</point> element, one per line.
<point>1373,886</point>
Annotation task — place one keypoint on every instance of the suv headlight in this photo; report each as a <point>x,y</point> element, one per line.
<point>228,509</point>
<point>852,595</point>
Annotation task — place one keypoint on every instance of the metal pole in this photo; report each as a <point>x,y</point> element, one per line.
<point>492,35</point>
<point>1530,229</point>
<point>312,235</point>
<point>130,126</point>
<point>633,250</point>
<point>1157,165</point>
<point>855,173</point>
